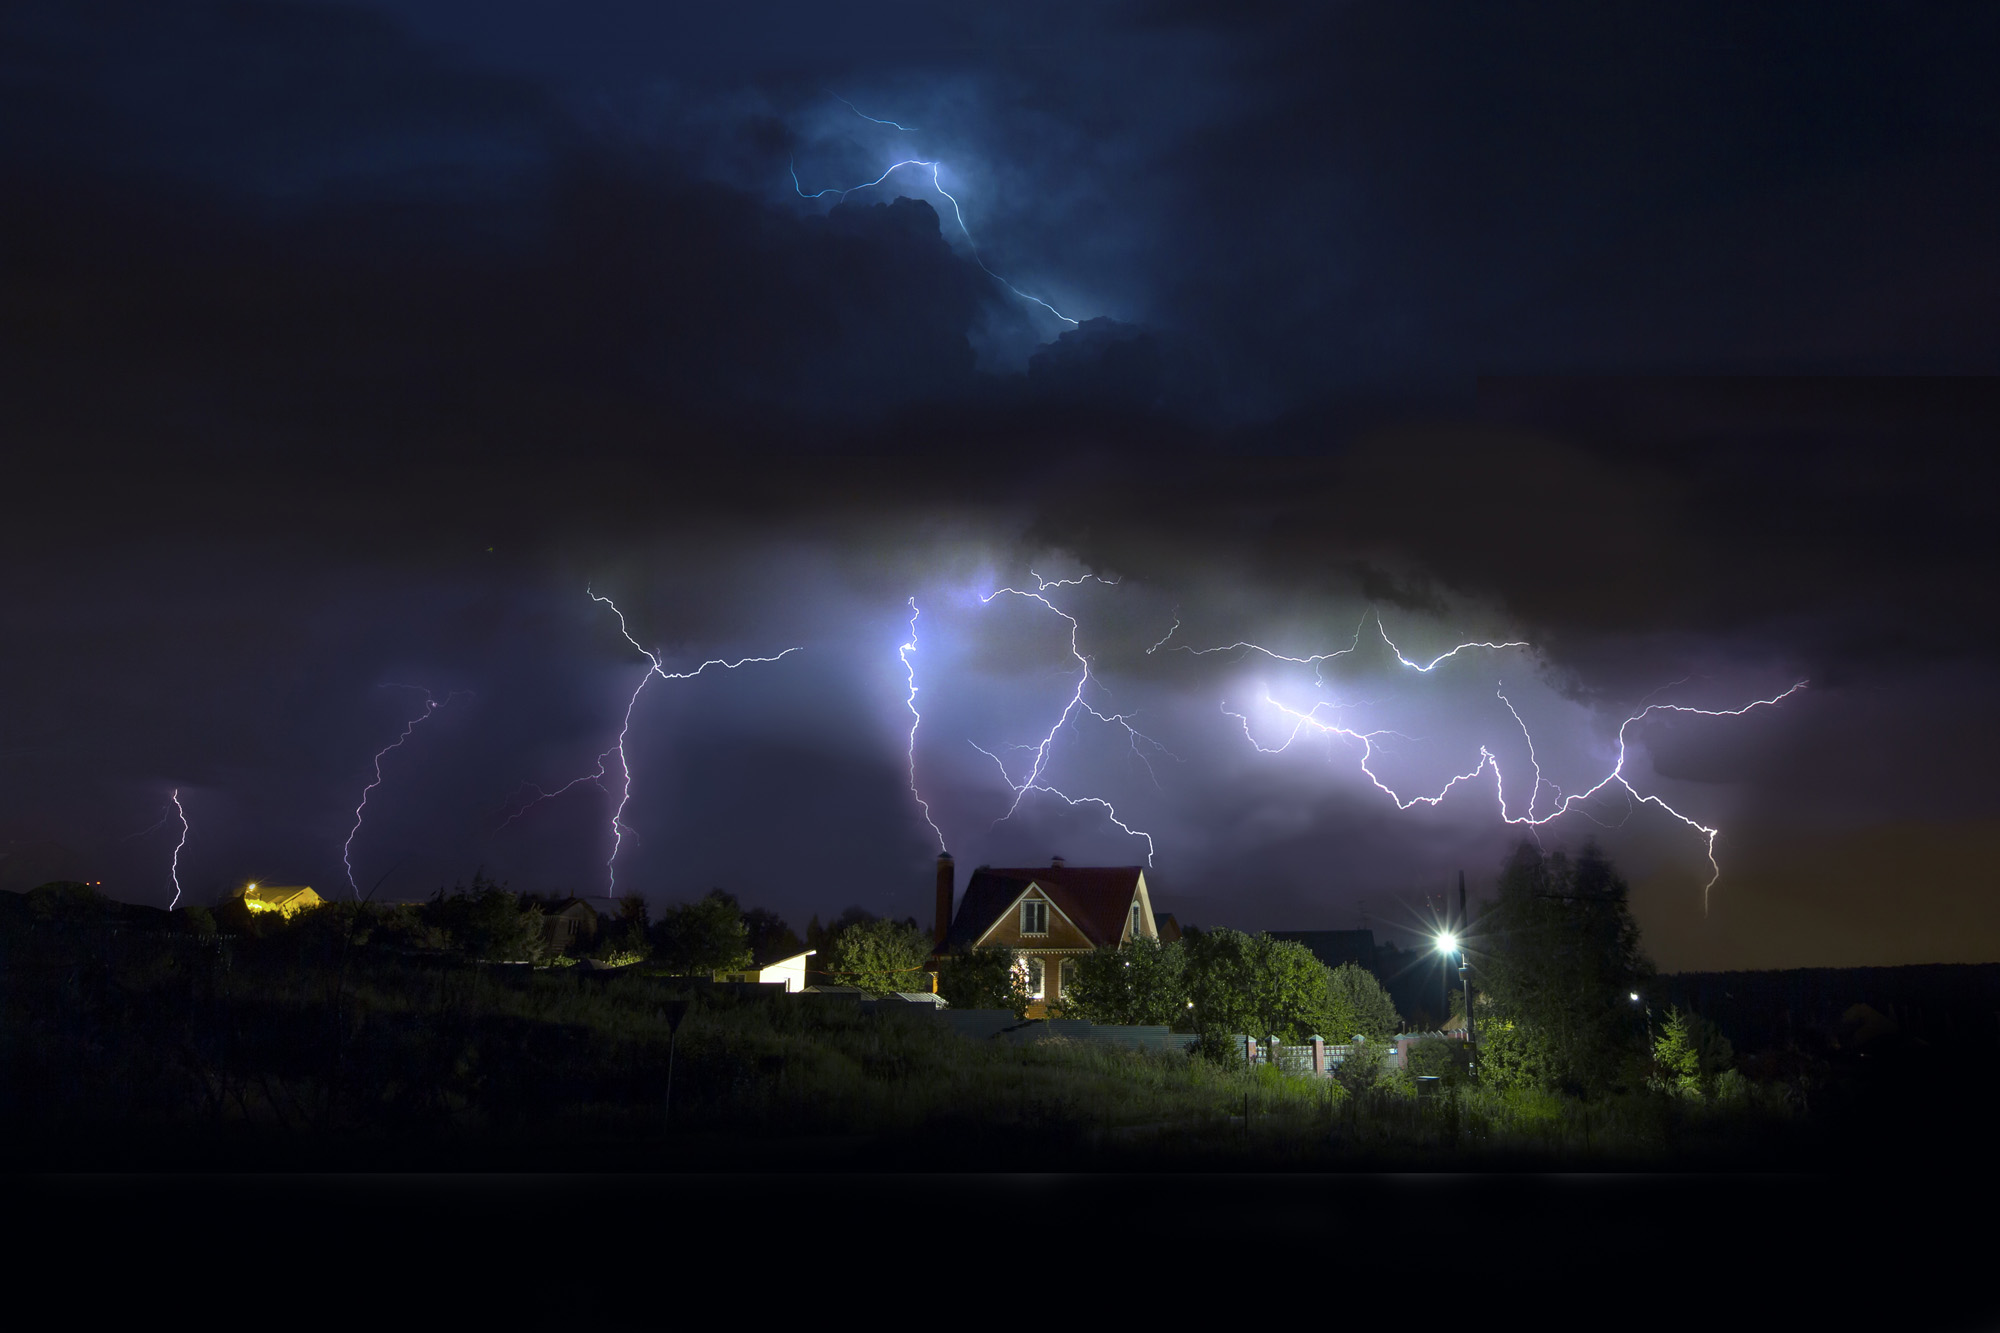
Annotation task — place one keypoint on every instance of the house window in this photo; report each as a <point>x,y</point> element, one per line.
<point>1064,970</point>
<point>1135,920</point>
<point>1036,979</point>
<point>1034,917</point>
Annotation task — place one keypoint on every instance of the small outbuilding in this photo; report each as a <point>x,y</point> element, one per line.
<point>284,899</point>
<point>791,971</point>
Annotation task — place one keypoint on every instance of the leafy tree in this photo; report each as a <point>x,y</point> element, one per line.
<point>1219,972</point>
<point>197,920</point>
<point>1356,1003</point>
<point>486,921</point>
<point>984,979</point>
<point>882,956</point>
<point>626,936</point>
<point>1255,985</point>
<point>1556,957</point>
<point>1144,983</point>
<point>769,937</point>
<point>703,937</point>
<point>1691,1055</point>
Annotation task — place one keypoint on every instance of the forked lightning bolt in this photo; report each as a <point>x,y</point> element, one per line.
<point>957,212</point>
<point>1310,718</point>
<point>597,778</point>
<point>1033,781</point>
<point>1316,659</point>
<point>174,867</point>
<point>916,720</point>
<point>431,705</point>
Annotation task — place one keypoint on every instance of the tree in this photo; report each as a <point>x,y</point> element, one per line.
<point>701,938</point>
<point>488,922</point>
<point>1143,983</point>
<point>882,956</point>
<point>1255,985</point>
<point>1691,1055</point>
<point>1357,1004</point>
<point>1556,958</point>
<point>625,937</point>
<point>770,938</point>
<point>984,979</point>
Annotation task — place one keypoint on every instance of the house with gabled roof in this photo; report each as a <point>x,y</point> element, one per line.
<point>1049,915</point>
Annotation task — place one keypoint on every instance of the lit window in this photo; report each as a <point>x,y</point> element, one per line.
<point>1065,970</point>
<point>1034,917</point>
<point>1036,979</point>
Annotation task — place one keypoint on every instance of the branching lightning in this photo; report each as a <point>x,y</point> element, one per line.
<point>1317,659</point>
<point>1077,703</point>
<point>916,720</point>
<point>431,705</point>
<point>1311,718</point>
<point>597,777</point>
<point>936,185</point>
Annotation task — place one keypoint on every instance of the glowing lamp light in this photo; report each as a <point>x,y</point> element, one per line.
<point>1635,997</point>
<point>1447,943</point>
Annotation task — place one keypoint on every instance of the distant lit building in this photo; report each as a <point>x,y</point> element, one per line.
<point>284,899</point>
<point>1049,915</point>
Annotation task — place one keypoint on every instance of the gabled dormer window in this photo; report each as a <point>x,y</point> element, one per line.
<point>1034,917</point>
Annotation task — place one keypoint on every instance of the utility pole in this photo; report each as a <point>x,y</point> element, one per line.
<point>1465,975</point>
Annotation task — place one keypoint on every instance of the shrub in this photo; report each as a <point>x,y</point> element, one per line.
<point>983,979</point>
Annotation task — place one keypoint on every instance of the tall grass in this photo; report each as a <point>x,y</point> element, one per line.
<point>138,1051</point>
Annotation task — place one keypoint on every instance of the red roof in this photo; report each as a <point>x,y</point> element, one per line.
<point>1097,898</point>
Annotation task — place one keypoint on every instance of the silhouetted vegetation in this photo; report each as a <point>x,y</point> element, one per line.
<point>987,978</point>
<point>369,1035</point>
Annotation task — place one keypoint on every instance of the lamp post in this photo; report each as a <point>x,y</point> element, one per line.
<point>1449,944</point>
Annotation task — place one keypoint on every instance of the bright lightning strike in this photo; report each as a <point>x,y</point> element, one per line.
<point>1616,777</point>
<point>597,778</point>
<point>174,867</point>
<point>1033,781</point>
<point>1316,659</point>
<point>916,720</point>
<point>938,186</point>
<point>431,705</point>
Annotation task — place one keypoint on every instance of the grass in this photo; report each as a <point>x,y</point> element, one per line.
<point>141,1050</point>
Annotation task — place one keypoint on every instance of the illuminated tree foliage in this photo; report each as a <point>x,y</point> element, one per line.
<point>1357,1004</point>
<point>1555,960</point>
<point>882,956</point>
<point>1143,983</point>
<point>1255,985</point>
<point>1690,1055</point>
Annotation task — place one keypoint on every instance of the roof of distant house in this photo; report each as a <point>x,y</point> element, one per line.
<point>1096,898</point>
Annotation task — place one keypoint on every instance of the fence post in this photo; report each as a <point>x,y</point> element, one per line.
<point>1319,1055</point>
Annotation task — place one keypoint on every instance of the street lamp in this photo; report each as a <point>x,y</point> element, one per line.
<point>1449,944</point>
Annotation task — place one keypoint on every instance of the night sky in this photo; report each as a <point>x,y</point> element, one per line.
<point>345,346</point>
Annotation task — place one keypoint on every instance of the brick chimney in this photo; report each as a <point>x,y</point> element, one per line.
<point>1055,863</point>
<point>944,887</point>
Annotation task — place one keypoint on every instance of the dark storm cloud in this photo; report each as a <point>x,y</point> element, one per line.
<point>346,344</point>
